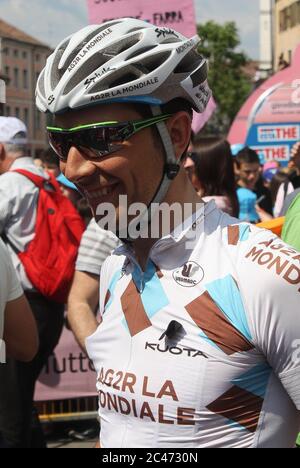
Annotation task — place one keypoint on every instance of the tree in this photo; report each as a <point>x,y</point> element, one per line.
<point>229,83</point>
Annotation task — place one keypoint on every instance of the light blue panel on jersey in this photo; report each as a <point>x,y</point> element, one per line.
<point>244,232</point>
<point>227,296</point>
<point>256,380</point>
<point>236,426</point>
<point>153,295</point>
<point>112,288</point>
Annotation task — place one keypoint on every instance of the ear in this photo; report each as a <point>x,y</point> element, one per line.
<point>236,167</point>
<point>180,129</point>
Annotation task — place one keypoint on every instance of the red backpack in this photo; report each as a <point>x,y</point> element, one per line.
<point>49,260</point>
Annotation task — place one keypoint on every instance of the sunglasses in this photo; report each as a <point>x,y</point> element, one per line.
<point>99,139</point>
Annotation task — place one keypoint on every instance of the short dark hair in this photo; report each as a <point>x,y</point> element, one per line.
<point>49,157</point>
<point>172,107</point>
<point>247,156</point>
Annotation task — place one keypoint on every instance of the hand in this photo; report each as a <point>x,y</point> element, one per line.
<point>264,216</point>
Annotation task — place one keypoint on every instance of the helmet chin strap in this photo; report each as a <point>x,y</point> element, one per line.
<point>171,170</point>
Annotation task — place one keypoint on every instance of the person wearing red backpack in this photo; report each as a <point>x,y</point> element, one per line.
<point>42,231</point>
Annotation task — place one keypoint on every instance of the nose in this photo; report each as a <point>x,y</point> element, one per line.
<point>77,166</point>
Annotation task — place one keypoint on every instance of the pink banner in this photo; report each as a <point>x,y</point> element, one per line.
<point>175,14</point>
<point>69,373</point>
<point>282,106</point>
<point>199,120</point>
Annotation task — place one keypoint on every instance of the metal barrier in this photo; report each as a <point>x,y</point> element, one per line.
<point>67,410</point>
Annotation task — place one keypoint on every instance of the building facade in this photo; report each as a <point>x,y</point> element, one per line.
<point>266,38</point>
<point>286,30</point>
<point>21,60</point>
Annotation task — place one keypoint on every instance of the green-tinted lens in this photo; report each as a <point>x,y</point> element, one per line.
<point>104,137</point>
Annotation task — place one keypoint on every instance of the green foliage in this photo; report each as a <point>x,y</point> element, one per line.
<point>229,83</point>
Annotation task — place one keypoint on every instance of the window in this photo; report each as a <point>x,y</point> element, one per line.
<point>6,51</point>
<point>25,79</point>
<point>7,111</point>
<point>24,55</point>
<point>26,117</point>
<point>37,58</point>
<point>16,53</point>
<point>289,17</point>
<point>17,112</point>
<point>16,77</point>
<point>7,71</point>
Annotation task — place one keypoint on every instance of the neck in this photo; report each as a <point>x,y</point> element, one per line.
<point>244,185</point>
<point>181,193</point>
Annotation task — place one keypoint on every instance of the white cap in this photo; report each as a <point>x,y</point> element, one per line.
<point>9,128</point>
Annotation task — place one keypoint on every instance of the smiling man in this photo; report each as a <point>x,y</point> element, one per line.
<point>197,346</point>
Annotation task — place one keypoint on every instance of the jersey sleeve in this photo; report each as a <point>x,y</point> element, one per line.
<point>96,245</point>
<point>269,275</point>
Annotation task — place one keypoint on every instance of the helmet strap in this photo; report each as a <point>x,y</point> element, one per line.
<point>171,170</point>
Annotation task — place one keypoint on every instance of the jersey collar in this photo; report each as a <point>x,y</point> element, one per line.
<point>188,232</point>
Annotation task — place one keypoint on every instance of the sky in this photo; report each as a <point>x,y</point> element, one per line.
<point>51,21</point>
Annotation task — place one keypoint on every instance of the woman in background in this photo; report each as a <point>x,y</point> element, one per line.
<point>214,172</point>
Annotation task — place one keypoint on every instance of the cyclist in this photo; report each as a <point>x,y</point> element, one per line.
<point>198,341</point>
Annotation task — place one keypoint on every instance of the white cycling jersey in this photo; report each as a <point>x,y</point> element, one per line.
<point>202,349</point>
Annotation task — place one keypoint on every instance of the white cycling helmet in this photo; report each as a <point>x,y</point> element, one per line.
<point>127,60</point>
<point>123,60</point>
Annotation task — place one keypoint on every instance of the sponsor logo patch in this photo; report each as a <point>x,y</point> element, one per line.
<point>189,275</point>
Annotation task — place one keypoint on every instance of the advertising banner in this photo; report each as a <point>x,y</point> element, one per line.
<point>174,14</point>
<point>269,121</point>
<point>68,374</point>
<point>276,123</point>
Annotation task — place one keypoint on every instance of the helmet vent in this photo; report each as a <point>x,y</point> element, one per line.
<point>57,73</point>
<point>82,74</point>
<point>122,45</point>
<point>139,52</point>
<point>171,40</point>
<point>80,46</point>
<point>109,24</point>
<point>119,78</point>
<point>155,61</point>
<point>189,63</point>
<point>41,83</point>
<point>128,78</point>
<point>139,28</point>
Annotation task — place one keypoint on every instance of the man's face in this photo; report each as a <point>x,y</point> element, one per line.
<point>249,175</point>
<point>52,168</point>
<point>134,170</point>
